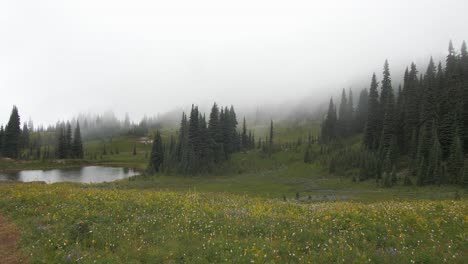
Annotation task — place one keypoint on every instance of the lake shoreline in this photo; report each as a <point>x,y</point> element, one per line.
<point>81,174</point>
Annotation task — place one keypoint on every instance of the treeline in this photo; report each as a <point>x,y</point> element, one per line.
<point>28,143</point>
<point>106,125</point>
<point>200,144</point>
<point>68,146</point>
<point>422,125</point>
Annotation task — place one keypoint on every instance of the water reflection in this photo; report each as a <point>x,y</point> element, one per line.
<point>89,174</point>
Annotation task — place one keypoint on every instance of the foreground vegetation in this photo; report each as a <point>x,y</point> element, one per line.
<point>67,222</point>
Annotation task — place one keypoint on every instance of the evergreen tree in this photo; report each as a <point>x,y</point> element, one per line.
<point>372,133</point>
<point>361,111</point>
<point>25,137</point>
<point>215,129</point>
<point>233,130</point>
<point>12,138</point>
<point>329,125</point>
<point>157,154</point>
<point>428,112</point>
<point>387,92</point>
<point>61,149</point>
<point>343,117</point>
<point>77,145</point>
<point>387,101</point>
<point>399,121</point>
<point>350,114</point>
<point>68,141</point>
<point>244,136</point>
<point>411,111</point>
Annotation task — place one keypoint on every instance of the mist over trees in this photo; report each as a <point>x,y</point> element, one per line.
<point>200,144</point>
<point>423,123</point>
<point>32,143</point>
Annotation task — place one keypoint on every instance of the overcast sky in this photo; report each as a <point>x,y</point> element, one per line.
<point>62,57</point>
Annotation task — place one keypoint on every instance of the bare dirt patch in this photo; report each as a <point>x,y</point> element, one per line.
<point>9,239</point>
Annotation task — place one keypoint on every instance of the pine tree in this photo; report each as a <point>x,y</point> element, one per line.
<point>387,102</point>
<point>157,155</point>
<point>343,117</point>
<point>206,146</point>
<point>399,121</point>
<point>25,137</point>
<point>350,114</point>
<point>361,111</point>
<point>215,129</point>
<point>386,94</point>
<point>68,141</point>
<point>77,145</point>
<point>214,125</point>
<point>244,136</point>
<point>61,149</point>
<point>428,113</point>
<point>372,132</point>
<point>12,138</point>
<point>329,125</point>
<point>411,106</point>
<point>233,130</point>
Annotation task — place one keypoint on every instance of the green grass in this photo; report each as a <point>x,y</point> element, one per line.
<point>67,223</point>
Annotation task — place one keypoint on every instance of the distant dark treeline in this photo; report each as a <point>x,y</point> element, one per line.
<point>29,143</point>
<point>426,122</point>
<point>200,145</point>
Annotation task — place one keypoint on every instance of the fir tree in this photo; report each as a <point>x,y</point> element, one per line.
<point>233,130</point>
<point>361,111</point>
<point>343,117</point>
<point>77,145</point>
<point>12,138</point>
<point>157,154</point>
<point>411,111</point>
<point>329,125</point>
<point>387,102</point>
<point>244,136</point>
<point>68,141</point>
<point>61,148</point>
<point>350,114</point>
<point>372,133</point>
<point>25,137</point>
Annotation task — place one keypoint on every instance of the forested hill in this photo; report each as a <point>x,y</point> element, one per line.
<point>421,125</point>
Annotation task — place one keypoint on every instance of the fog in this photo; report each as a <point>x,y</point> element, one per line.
<point>60,58</point>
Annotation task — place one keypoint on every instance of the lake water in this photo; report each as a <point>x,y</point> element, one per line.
<point>88,174</point>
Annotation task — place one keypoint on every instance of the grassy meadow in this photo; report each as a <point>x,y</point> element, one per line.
<point>73,223</point>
